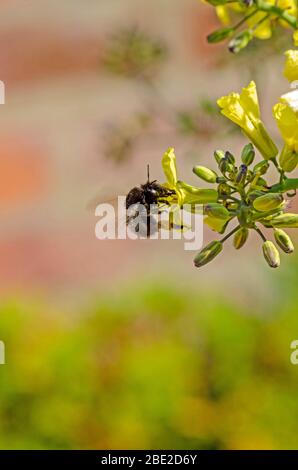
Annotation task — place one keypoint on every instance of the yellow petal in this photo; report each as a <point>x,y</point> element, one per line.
<point>169,167</point>
<point>295,37</point>
<point>290,6</point>
<point>263,31</point>
<point>223,14</point>
<point>249,100</point>
<point>291,66</point>
<point>231,108</point>
<point>287,121</point>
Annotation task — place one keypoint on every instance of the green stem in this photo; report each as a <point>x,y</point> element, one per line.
<point>230,234</point>
<point>280,12</point>
<point>286,185</point>
<point>237,25</point>
<point>265,214</point>
<point>260,233</point>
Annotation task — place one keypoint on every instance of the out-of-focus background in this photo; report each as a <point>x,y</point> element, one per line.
<point>124,344</point>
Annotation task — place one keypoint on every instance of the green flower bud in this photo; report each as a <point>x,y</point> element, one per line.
<point>283,240</point>
<point>271,254</point>
<point>261,167</point>
<point>254,195</point>
<point>225,166</point>
<point>241,175</point>
<point>224,189</point>
<point>216,210</point>
<point>232,206</point>
<point>268,202</point>
<point>261,182</point>
<point>221,179</point>
<point>288,159</point>
<point>240,41</point>
<point>283,221</point>
<point>240,237</point>
<point>219,155</point>
<point>248,154</point>
<point>208,253</point>
<point>220,35</point>
<point>217,225</point>
<point>229,157</point>
<point>205,173</point>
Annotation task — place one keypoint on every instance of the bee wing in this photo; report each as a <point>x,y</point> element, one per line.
<point>100,199</point>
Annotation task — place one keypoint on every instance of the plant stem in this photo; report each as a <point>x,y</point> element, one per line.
<point>230,234</point>
<point>286,185</point>
<point>260,233</point>
<point>280,12</point>
<point>237,25</point>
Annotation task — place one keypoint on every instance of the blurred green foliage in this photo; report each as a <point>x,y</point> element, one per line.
<point>132,53</point>
<point>151,367</point>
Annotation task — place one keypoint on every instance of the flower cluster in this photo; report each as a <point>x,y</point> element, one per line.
<point>241,190</point>
<point>253,19</point>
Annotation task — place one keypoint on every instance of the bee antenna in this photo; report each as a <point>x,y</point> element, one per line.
<point>148,172</point>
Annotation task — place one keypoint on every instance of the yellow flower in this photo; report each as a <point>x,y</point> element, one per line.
<point>289,5</point>
<point>184,193</point>
<point>291,66</point>
<point>244,111</point>
<point>263,30</point>
<point>286,115</point>
<point>170,168</point>
<point>295,37</point>
<point>260,23</point>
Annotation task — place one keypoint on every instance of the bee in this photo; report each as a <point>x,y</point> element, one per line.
<point>144,202</point>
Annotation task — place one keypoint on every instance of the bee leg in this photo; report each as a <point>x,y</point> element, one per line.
<point>292,194</point>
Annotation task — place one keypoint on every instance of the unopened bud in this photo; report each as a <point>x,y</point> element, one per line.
<point>216,210</point>
<point>205,173</point>
<point>268,202</point>
<point>208,253</point>
<point>283,240</point>
<point>288,159</point>
<point>224,189</point>
<point>240,237</point>
<point>241,175</point>
<point>225,166</point>
<point>261,167</point>
<point>271,254</point>
<point>253,195</point>
<point>248,154</point>
<point>219,155</point>
<point>229,157</point>
<point>240,41</point>
<point>220,35</point>
<point>261,182</point>
<point>284,221</point>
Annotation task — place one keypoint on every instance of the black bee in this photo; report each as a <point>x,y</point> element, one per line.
<point>143,202</point>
